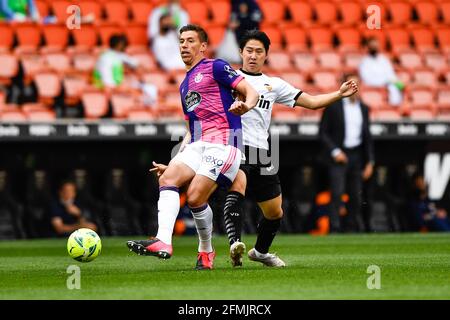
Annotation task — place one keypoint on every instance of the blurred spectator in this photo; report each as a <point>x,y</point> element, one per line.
<point>66,215</point>
<point>427,214</point>
<point>166,45</point>
<point>245,15</point>
<point>18,10</point>
<point>179,16</point>
<point>376,70</point>
<point>109,72</point>
<point>348,152</point>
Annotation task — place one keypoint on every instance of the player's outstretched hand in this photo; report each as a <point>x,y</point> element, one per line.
<point>159,168</point>
<point>348,88</point>
<point>239,108</point>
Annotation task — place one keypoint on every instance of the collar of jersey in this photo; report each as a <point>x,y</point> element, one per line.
<point>196,65</point>
<point>250,73</point>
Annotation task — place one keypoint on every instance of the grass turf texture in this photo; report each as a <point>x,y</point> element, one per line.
<point>413,266</point>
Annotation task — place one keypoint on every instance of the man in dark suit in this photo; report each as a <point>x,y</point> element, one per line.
<point>348,152</point>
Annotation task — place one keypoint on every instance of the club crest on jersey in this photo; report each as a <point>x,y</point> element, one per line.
<point>192,100</point>
<point>268,87</point>
<point>231,73</point>
<point>198,78</point>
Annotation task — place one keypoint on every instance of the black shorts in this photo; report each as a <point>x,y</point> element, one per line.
<point>260,187</point>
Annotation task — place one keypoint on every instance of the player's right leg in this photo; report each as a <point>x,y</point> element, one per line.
<point>233,215</point>
<point>180,171</point>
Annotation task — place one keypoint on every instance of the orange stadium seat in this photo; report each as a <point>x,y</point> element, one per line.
<point>443,101</point>
<point>375,98</point>
<point>311,115</point>
<point>106,30</point>
<point>146,61</point>
<point>325,79</point>
<point>85,38</point>
<point>423,39</point>
<point>43,7</point>
<point>422,114</point>
<point>275,37</point>
<point>425,77</point>
<point>280,61</point>
<point>380,35</point>
<point>296,79</point>
<point>421,97</point>
<point>12,115</point>
<point>7,38</point>
<point>326,12</point>
<point>329,60</point>
<point>445,10</point>
<point>285,114</point>
<point>58,61</point>
<point>32,106</point>
<point>159,79</point>
<point>41,115</point>
<point>198,12</point>
<point>122,103</point>
<point>137,35</point>
<point>141,114</point>
<point>56,36</point>
<point>220,11</point>
<point>350,11</point>
<point>9,68</point>
<point>84,62</point>
<point>305,61</point>
<point>141,11</point>
<point>28,35</point>
<point>400,12</point>
<point>295,39</point>
<point>349,39</point>
<point>427,12</point>
<point>410,60</point>
<point>32,64</point>
<point>301,12</point>
<point>392,114</point>
<point>398,39</point>
<point>48,86</point>
<point>215,35</point>
<point>404,76</point>
<point>352,59</point>
<point>59,8</point>
<point>74,84</point>
<point>95,104</point>
<point>117,11</point>
<point>443,35</point>
<point>321,38</point>
<point>273,11</point>
<point>90,7</point>
<point>435,61</point>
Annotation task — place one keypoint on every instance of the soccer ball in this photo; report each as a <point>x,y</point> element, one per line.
<point>84,245</point>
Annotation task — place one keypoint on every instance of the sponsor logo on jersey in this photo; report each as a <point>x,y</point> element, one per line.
<point>263,104</point>
<point>268,87</point>
<point>192,100</point>
<point>231,73</point>
<point>198,78</point>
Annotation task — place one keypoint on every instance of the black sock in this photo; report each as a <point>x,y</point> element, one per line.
<point>233,214</point>
<point>267,229</point>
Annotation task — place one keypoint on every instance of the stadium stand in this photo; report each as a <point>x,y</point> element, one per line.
<point>307,37</point>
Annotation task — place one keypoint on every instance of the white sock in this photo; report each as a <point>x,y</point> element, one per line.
<point>203,217</point>
<point>168,208</point>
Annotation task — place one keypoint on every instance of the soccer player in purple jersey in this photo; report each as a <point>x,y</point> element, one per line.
<point>209,155</point>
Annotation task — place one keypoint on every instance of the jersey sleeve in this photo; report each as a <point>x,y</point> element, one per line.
<point>286,93</point>
<point>225,74</point>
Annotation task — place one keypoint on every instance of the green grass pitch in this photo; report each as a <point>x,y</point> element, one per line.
<point>412,266</point>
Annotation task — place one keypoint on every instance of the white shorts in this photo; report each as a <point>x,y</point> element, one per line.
<point>218,162</point>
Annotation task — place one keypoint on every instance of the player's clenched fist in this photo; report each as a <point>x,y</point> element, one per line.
<point>239,108</point>
<point>348,88</point>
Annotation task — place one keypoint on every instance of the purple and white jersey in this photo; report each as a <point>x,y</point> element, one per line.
<point>206,95</point>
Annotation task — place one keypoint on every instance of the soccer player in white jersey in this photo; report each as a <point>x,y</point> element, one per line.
<point>264,188</point>
<point>210,155</point>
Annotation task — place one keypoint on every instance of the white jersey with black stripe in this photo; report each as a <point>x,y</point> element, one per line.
<point>256,122</point>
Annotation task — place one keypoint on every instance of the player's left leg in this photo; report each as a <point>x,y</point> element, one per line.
<point>267,229</point>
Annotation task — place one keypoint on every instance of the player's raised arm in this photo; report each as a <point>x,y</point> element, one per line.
<point>308,101</point>
<point>251,98</point>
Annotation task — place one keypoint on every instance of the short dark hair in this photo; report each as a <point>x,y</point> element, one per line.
<point>255,35</point>
<point>63,182</point>
<point>349,74</point>
<point>116,39</point>
<point>203,36</point>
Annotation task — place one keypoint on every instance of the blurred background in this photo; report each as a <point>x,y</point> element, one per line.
<point>89,97</point>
